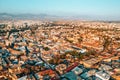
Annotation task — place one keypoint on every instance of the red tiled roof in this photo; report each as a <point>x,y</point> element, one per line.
<point>71,67</point>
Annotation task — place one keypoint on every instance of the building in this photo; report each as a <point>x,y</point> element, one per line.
<point>91,62</point>
<point>102,75</point>
<point>77,70</point>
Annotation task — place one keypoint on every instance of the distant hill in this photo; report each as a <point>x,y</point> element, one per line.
<point>8,16</point>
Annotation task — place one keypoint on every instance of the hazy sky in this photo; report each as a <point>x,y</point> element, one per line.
<point>109,8</point>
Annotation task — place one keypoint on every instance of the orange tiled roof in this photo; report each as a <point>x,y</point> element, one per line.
<point>49,72</point>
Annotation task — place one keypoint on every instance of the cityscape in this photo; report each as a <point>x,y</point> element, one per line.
<point>59,46</point>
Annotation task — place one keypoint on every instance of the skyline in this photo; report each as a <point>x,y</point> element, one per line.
<point>104,9</point>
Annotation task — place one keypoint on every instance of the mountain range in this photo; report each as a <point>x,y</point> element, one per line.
<point>8,16</point>
<point>42,16</point>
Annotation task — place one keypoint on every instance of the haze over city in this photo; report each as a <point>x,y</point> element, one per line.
<point>83,9</point>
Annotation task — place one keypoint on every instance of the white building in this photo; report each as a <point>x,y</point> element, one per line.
<point>102,75</point>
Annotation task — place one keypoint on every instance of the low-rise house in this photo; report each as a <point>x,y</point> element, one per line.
<point>69,76</point>
<point>84,75</point>
<point>23,78</point>
<point>71,67</point>
<point>91,62</point>
<point>49,72</point>
<point>102,75</point>
<point>77,70</point>
<point>105,67</point>
<point>61,68</point>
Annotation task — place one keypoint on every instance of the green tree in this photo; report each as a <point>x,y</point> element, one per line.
<point>46,48</point>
